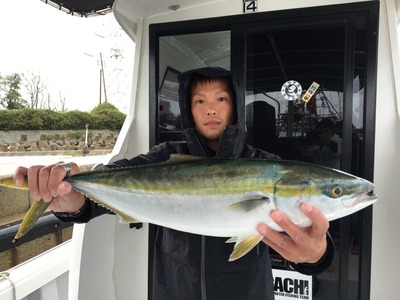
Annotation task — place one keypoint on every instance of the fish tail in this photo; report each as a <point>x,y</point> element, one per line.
<point>34,213</point>
<point>9,182</point>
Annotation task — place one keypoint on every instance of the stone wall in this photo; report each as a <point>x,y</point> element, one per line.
<point>53,141</point>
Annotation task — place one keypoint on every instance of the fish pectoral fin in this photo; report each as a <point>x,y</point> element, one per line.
<point>249,204</point>
<point>243,245</point>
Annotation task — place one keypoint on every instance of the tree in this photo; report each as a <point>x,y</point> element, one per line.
<point>35,87</point>
<point>109,116</point>
<point>10,97</point>
<point>63,102</point>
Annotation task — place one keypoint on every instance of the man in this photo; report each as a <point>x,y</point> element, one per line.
<point>188,266</point>
<point>329,151</point>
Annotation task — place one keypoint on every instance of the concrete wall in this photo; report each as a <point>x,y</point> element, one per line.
<point>34,135</point>
<point>55,142</point>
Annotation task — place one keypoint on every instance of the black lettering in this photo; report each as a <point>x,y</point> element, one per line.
<point>288,285</point>
<point>298,286</point>
<point>278,286</point>
<point>301,287</point>
<point>250,6</point>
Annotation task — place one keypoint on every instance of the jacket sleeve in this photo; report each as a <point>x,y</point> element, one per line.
<point>88,211</point>
<point>322,264</point>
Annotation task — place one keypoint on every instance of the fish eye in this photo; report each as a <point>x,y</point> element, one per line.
<point>336,191</point>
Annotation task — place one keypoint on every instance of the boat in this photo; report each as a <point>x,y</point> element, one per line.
<point>341,56</point>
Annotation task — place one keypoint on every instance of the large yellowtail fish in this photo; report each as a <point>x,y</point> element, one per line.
<point>220,196</point>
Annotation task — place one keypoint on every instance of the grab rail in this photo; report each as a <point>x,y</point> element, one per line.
<point>48,223</point>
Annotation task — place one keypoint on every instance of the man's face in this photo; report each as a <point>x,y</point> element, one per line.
<point>212,110</point>
<point>325,135</point>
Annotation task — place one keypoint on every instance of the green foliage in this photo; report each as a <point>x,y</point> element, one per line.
<point>104,108</point>
<point>44,119</point>
<point>10,98</point>
<point>109,116</point>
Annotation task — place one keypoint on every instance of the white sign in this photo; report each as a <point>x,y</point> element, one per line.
<point>291,90</point>
<point>291,285</point>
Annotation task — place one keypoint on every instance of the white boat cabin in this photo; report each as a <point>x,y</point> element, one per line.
<point>350,49</point>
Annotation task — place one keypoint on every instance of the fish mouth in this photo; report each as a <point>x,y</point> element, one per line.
<point>364,199</point>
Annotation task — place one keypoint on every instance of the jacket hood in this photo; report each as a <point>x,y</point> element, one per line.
<point>232,140</point>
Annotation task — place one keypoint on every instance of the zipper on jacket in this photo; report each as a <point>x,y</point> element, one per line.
<point>203,269</point>
<point>203,288</point>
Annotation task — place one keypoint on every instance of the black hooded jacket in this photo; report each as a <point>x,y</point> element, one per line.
<point>193,267</point>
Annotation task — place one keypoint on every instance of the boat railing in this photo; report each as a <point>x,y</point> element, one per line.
<point>42,277</point>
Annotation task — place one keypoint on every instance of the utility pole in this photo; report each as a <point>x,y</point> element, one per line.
<point>102,81</point>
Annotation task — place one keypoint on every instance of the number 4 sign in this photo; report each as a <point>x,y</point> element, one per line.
<point>250,6</point>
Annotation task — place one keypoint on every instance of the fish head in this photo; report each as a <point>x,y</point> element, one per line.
<point>350,191</point>
<point>335,192</point>
<point>350,195</point>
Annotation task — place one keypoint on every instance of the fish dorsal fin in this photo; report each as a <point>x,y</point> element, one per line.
<point>174,158</point>
<point>243,245</point>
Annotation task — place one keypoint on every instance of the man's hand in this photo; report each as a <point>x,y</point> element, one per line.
<point>298,245</point>
<point>46,182</point>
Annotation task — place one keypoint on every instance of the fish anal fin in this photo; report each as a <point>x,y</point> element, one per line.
<point>249,204</point>
<point>124,217</point>
<point>244,246</point>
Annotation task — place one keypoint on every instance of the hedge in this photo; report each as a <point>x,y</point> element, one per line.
<point>104,116</point>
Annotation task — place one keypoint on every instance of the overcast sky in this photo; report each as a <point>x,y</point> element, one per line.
<point>65,51</point>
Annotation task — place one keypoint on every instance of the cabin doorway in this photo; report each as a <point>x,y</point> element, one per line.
<point>304,76</point>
